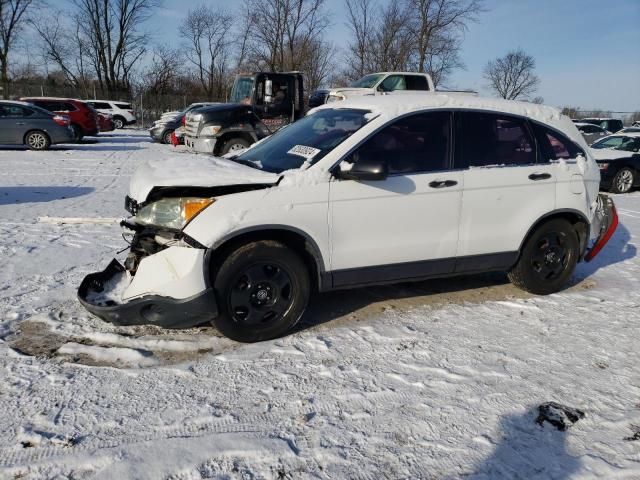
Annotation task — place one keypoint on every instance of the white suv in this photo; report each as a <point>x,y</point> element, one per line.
<point>366,191</point>
<point>122,112</point>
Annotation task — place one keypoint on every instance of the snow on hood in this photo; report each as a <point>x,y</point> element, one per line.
<point>609,154</point>
<point>353,91</point>
<point>193,171</point>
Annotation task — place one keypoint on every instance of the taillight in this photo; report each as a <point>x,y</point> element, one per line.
<point>130,112</point>
<point>184,120</point>
<point>61,120</point>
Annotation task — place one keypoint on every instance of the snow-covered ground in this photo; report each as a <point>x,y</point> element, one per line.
<point>438,379</point>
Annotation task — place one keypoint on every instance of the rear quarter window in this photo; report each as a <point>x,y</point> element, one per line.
<point>554,145</point>
<point>416,82</point>
<point>100,105</point>
<point>123,106</point>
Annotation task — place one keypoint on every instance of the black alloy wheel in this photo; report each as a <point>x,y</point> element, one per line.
<point>547,259</point>
<point>262,289</point>
<point>260,294</point>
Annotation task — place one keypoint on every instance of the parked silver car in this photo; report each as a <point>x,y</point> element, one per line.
<point>591,133</point>
<point>22,123</point>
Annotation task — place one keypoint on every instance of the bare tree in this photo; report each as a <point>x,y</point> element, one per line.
<point>206,32</point>
<point>111,31</point>
<point>13,17</point>
<point>317,63</point>
<point>282,30</point>
<point>442,59</point>
<point>421,35</point>
<point>161,76</point>
<point>512,76</point>
<point>435,26</point>
<point>360,20</point>
<point>392,40</point>
<point>63,46</point>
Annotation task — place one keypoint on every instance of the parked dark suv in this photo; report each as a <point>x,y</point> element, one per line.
<point>84,119</point>
<point>25,124</point>
<point>611,124</point>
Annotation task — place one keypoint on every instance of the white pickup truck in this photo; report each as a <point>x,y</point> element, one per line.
<point>375,84</point>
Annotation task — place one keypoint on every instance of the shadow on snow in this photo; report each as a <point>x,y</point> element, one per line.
<point>528,451</point>
<point>36,194</point>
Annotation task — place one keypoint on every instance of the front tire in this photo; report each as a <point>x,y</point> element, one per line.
<point>234,145</point>
<point>37,140</point>
<point>262,290</point>
<point>623,181</point>
<point>548,259</point>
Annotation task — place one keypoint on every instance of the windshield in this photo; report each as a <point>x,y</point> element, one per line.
<point>241,91</point>
<point>619,142</point>
<point>307,140</point>
<point>368,81</point>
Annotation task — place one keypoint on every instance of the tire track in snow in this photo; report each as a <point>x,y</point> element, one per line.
<point>265,424</point>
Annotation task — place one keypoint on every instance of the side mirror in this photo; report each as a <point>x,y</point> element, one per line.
<point>364,170</point>
<point>268,91</point>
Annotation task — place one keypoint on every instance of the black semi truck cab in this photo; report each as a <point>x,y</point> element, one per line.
<point>259,105</point>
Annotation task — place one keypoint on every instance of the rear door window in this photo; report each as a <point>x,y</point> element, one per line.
<point>416,82</point>
<point>488,139</point>
<point>100,105</point>
<point>15,111</point>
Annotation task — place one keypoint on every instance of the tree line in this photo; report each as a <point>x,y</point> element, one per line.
<point>104,48</point>
<point>105,45</point>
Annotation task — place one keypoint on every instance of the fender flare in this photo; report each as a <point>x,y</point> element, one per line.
<point>324,278</point>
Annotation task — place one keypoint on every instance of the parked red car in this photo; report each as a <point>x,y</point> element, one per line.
<point>84,119</point>
<point>105,122</point>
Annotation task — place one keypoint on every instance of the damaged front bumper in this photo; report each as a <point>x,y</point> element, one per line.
<point>605,222</point>
<point>165,287</point>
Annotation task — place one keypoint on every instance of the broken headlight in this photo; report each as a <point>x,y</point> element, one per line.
<point>172,212</point>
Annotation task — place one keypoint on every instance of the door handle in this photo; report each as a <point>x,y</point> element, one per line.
<point>19,123</point>
<point>539,176</point>
<point>442,183</point>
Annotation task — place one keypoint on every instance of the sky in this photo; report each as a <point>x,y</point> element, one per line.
<point>587,52</point>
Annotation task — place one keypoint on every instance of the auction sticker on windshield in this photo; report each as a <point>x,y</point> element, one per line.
<point>304,151</point>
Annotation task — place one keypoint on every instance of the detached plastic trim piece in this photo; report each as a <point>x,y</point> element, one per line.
<point>157,310</point>
<point>605,234</point>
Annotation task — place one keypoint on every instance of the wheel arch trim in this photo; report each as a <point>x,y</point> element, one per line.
<point>323,278</point>
<point>559,213</point>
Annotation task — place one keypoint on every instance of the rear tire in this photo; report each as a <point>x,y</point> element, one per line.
<point>118,123</point>
<point>37,140</point>
<point>77,133</point>
<point>623,181</point>
<point>234,145</point>
<point>166,137</point>
<point>262,290</point>
<point>548,259</point>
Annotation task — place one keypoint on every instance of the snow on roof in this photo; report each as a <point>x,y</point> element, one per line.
<point>13,102</point>
<point>626,134</point>
<point>391,106</point>
<point>397,73</point>
<point>53,98</point>
<point>98,100</point>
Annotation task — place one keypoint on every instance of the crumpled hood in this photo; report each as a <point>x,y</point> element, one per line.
<point>194,171</point>
<point>609,154</point>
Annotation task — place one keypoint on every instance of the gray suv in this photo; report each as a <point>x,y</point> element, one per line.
<point>25,124</point>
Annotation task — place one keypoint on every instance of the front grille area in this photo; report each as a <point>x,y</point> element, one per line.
<point>192,125</point>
